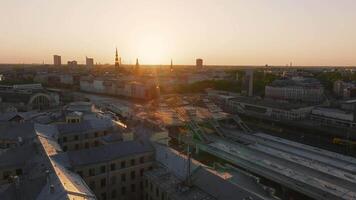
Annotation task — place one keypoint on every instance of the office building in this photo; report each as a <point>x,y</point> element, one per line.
<point>199,63</point>
<point>296,89</point>
<point>57,60</point>
<point>89,62</point>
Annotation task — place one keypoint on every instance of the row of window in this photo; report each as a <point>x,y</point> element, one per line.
<point>77,146</point>
<point>7,174</point>
<point>86,136</point>
<point>154,191</point>
<point>123,191</point>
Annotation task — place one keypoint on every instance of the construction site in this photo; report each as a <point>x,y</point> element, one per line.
<point>295,170</point>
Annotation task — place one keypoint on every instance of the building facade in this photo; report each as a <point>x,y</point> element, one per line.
<point>57,60</point>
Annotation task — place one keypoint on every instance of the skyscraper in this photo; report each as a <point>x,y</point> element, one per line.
<point>117,61</point>
<point>57,60</point>
<point>89,62</point>
<point>199,63</point>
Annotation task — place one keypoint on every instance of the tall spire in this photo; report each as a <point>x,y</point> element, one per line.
<point>117,62</point>
<point>171,65</point>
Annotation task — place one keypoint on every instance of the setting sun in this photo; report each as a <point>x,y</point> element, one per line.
<point>152,49</point>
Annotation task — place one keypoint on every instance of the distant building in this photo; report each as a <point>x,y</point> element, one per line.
<point>296,89</point>
<point>89,62</point>
<point>344,89</point>
<point>199,63</point>
<point>28,96</point>
<point>268,108</point>
<point>57,60</point>
<point>247,83</point>
<point>333,117</point>
<point>72,64</point>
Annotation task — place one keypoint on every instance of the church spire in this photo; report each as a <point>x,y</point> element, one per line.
<point>117,62</point>
<point>171,65</point>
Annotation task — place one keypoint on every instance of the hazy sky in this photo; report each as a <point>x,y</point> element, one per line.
<point>241,32</point>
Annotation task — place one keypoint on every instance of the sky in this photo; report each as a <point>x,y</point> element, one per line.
<point>222,32</point>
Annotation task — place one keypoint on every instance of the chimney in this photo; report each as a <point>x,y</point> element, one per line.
<point>51,189</point>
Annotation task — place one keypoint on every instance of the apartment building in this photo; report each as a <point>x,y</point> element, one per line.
<point>114,171</point>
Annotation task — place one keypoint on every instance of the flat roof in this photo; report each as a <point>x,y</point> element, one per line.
<point>270,103</point>
<point>108,152</point>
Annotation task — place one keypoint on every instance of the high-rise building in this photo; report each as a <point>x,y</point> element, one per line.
<point>89,62</point>
<point>57,60</point>
<point>117,61</point>
<point>199,63</point>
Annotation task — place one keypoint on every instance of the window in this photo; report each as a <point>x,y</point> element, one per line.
<point>123,177</point>
<point>103,196</point>
<point>86,145</point>
<point>6,174</point>
<point>157,192</point>
<point>65,148</point>
<point>18,172</point>
<point>92,185</point>
<point>113,194</point>
<point>64,139</point>
<point>142,159</point>
<point>133,188</point>
<point>103,182</point>
<point>123,164</point>
<point>141,185</point>
<point>146,183</point>
<point>96,134</point>
<point>133,175</point>
<point>142,171</point>
<point>96,143</point>
<point>113,180</point>
<point>80,173</point>
<point>76,137</point>
<point>91,172</point>
<point>132,162</point>
<point>112,167</point>
<point>102,169</point>
<point>76,146</point>
<point>123,190</point>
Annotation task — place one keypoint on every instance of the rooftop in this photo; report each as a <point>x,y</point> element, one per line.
<point>270,103</point>
<point>108,152</point>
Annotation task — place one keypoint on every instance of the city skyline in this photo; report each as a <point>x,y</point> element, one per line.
<point>225,32</point>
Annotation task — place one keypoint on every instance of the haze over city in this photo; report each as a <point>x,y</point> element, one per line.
<point>225,32</point>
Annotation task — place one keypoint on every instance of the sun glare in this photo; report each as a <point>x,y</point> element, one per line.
<point>152,50</point>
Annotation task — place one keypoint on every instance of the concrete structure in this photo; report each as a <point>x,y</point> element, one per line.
<point>27,97</point>
<point>133,89</point>
<point>333,117</point>
<point>199,63</point>
<point>296,89</point>
<point>344,89</point>
<point>268,108</point>
<point>314,172</point>
<point>169,180</point>
<point>57,60</point>
<point>114,171</point>
<point>89,62</point>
